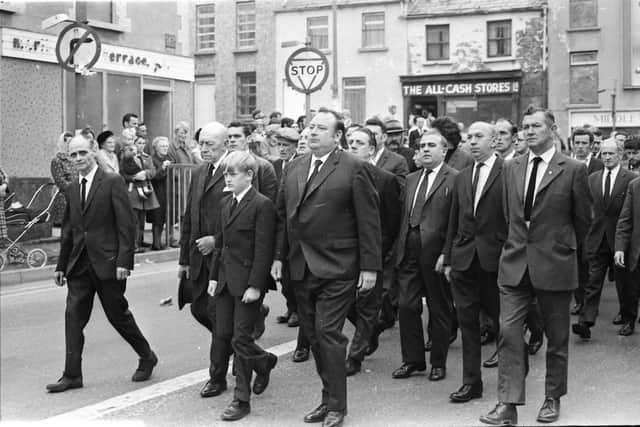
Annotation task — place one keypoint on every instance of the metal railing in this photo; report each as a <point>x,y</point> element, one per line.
<point>178,181</point>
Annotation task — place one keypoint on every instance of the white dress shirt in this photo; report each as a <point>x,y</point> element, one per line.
<point>430,179</point>
<point>217,164</point>
<point>243,193</point>
<point>614,175</point>
<point>511,155</point>
<point>482,178</point>
<point>89,177</point>
<point>376,158</point>
<point>313,163</point>
<point>542,169</point>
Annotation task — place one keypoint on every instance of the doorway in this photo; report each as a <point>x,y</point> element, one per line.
<point>157,113</point>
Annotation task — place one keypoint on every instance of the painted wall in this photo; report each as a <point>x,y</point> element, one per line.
<point>381,69</point>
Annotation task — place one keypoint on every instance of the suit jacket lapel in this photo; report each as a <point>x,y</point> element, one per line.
<point>598,196</point>
<point>521,173</point>
<point>383,158</point>
<point>553,170</point>
<point>412,185</point>
<point>241,206</point>
<point>303,172</point>
<point>217,175</point>
<point>97,181</point>
<point>325,171</point>
<point>618,186</point>
<point>493,174</point>
<point>439,179</point>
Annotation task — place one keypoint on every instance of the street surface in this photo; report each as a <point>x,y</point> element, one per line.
<point>604,374</point>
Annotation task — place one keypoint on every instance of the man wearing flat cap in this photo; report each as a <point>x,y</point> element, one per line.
<point>395,142</point>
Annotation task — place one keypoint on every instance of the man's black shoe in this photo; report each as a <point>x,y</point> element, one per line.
<point>262,380</point>
<point>259,328</point>
<point>581,329</point>
<point>626,329</point>
<point>352,366</point>
<point>65,383</point>
<point>550,410</point>
<point>437,374</point>
<point>236,410</point>
<point>145,368</point>
<point>294,321</point>
<point>300,355</point>
<point>504,414</point>
<point>213,388</point>
<point>333,419</point>
<point>466,393</point>
<point>534,344</point>
<point>283,318</point>
<point>576,309</point>
<point>491,362</point>
<point>407,369</point>
<point>317,415</point>
<point>487,337</point>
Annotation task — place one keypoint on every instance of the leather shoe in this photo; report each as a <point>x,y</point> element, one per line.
<point>550,410</point>
<point>236,410</point>
<point>407,369</point>
<point>283,318</point>
<point>352,366</point>
<point>437,374</point>
<point>466,393</point>
<point>317,415</point>
<point>487,337</point>
<point>213,388</point>
<point>491,362</point>
<point>65,383</point>
<point>333,419</point>
<point>262,380</point>
<point>300,355</point>
<point>428,345</point>
<point>576,309</point>
<point>534,345</point>
<point>294,321</point>
<point>145,368</point>
<point>259,328</point>
<point>504,414</point>
<point>618,319</point>
<point>581,329</point>
<point>374,342</point>
<point>626,329</point>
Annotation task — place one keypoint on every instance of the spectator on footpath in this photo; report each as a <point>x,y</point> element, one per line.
<point>415,133</point>
<point>286,122</point>
<point>161,162</point>
<point>301,122</point>
<point>89,134</point>
<point>106,157</point>
<point>275,118</point>
<point>63,172</point>
<point>180,151</point>
<point>130,121</point>
<point>137,169</point>
<point>632,152</point>
<point>268,147</point>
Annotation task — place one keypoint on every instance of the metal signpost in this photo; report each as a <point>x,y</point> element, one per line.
<point>78,47</point>
<point>307,70</point>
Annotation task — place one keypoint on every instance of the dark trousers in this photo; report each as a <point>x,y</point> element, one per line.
<point>627,291</point>
<point>534,320</point>
<point>288,292</point>
<point>203,310</point>
<point>82,286</point>
<point>364,316</point>
<point>583,275</point>
<point>323,305</point>
<point>234,334</point>
<point>474,289</point>
<point>416,280</point>
<point>514,363</point>
<point>139,216</point>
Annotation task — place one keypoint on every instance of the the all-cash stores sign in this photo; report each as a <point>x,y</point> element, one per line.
<point>42,47</point>
<point>461,88</point>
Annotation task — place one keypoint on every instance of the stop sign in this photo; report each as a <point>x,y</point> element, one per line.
<point>307,70</point>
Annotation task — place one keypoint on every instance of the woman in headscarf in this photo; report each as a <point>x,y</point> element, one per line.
<point>63,173</point>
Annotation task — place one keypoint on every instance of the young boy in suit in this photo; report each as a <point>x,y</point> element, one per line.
<point>242,259</point>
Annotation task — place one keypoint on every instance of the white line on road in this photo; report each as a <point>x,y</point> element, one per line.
<point>126,400</point>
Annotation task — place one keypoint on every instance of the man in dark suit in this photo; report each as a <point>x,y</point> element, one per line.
<point>477,230</point>
<point>608,190</point>
<point>383,157</point>
<point>332,243</point>
<point>415,134</point>
<point>197,242</point>
<point>364,313</point>
<point>627,254</point>
<point>547,209</point>
<point>581,146</point>
<point>96,256</point>
<point>420,260</point>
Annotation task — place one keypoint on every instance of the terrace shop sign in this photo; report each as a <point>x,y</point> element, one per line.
<point>461,89</point>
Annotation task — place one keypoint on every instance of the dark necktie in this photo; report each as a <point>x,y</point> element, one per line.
<point>316,169</point>
<point>531,189</point>
<point>234,203</point>
<point>83,192</point>
<point>210,171</point>
<point>416,210</point>
<point>607,189</point>
<point>474,183</point>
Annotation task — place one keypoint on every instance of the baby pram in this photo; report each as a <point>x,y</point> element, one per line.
<point>26,217</point>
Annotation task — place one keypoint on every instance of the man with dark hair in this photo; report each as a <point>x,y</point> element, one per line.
<point>383,157</point>
<point>506,135</point>
<point>544,192</point>
<point>449,129</point>
<point>130,120</point>
<point>275,117</point>
<point>597,140</point>
<point>632,151</point>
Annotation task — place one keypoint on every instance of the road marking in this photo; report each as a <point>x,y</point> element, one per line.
<point>135,397</point>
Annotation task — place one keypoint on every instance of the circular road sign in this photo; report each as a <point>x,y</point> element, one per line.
<point>78,47</point>
<point>307,70</point>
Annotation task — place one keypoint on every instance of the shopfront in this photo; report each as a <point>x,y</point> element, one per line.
<point>467,98</point>
<point>626,120</point>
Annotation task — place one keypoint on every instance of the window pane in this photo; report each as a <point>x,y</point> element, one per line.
<point>373,29</point>
<point>583,13</point>
<point>246,94</point>
<point>246,24</point>
<point>354,98</point>
<point>582,57</point>
<point>318,31</point>
<point>499,38</point>
<point>437,42</point>
<point>99,11</point>
<point>205,27</point>
<point>584,84</point>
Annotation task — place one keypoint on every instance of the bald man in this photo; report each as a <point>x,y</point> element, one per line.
<point>206,192</point>
<point>477,229</point>
<point>96,257</point>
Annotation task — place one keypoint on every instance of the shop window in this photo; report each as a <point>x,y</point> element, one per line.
<point>354,96</point>
<point>101,11</point>
<point>318,31</point>
<point>246,94</point>
<point>246,24</point>
<point>583,13</point>
<point>206,27</point>
<point>584,77</point>
<point>373,30</point>
<point>498,38</point>
<point>437,42</point>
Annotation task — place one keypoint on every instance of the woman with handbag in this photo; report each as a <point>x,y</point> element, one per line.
<point>137,169</point>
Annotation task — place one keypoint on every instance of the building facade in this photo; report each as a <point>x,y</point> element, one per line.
<point>145,67</point>
<point>475,60</point>
<point>594,64</point>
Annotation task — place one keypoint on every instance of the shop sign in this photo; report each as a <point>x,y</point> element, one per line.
<point>604,119</point>
<point>42,47</point>
<point>461,89</point>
